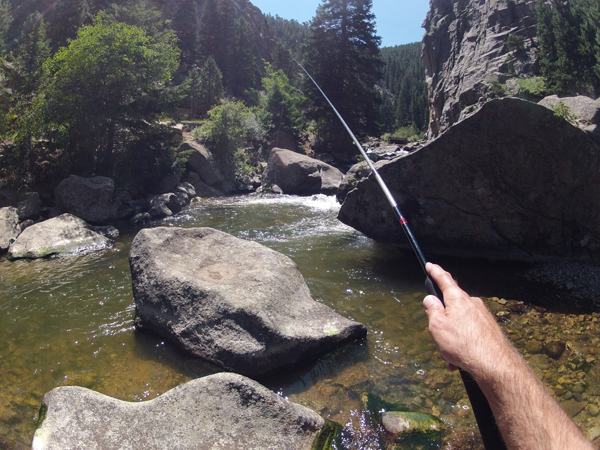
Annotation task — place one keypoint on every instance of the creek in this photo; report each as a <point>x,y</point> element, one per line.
<point>69,321</point>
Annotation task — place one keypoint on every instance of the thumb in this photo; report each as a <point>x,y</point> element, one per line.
<point>433,305</point>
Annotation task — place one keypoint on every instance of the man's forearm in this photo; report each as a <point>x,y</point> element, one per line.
<point>526,414</point>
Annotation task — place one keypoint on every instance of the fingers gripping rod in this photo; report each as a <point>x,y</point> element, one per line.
<point>492,439</point>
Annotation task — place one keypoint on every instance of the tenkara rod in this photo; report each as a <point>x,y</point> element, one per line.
<point>492,439</point>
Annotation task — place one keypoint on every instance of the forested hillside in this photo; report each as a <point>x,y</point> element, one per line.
<point>407,104</point>
<point>569,34</point>
<point>86,84</point>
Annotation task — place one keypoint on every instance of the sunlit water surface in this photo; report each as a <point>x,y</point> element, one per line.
<point>69,321</point>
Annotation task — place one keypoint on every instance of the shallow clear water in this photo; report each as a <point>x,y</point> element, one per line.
<point>69,321</point>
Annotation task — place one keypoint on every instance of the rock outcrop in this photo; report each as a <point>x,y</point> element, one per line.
<point>219,411</point>
<point>470,48</point>
<point>9,226</point>
<point>235,303</point>
<point>89,199</point>
<point>511,182</point>
<point>62,234</point>
<point>585,111</point>
<point>298,174</point>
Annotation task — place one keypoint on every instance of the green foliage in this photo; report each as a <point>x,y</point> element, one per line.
<point>108,84</point>
<point>186,24</point>
<point>280,103</point>
<point>342,54</point>
<point>230,41</point>
<point>515,43</point>
<point>203,87</point>
<point>562,111</point>
<point>569,36</point>
<point>5,21</point>
<point>31,54</point>
<point>404,79</point>
<point>230,127</point>
<point>405,134</point>
<point>497,90</point>
<point>147,157</point>
<point>534,87</point>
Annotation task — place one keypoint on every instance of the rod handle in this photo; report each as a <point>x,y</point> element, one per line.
<point>490,434</point>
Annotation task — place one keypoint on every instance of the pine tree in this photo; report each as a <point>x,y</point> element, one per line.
<point>5,21</point>
<point>242,68</point>
<point>568,33</point>
<point>64,20</point>
<point>186,24</point>
<point>210,84</point>
<point>342,55</point>
<point>32,52</point>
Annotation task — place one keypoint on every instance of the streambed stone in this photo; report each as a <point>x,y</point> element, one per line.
<point>236,303</point>
<point>63,234</point>
<point>406,423</point>
<point>219,411</point>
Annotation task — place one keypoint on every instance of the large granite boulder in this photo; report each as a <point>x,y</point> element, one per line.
<point>511,182</point>
<point>298,174</point>
<point>203,163</point>
<point>9,226</point>
<point>225,411</point>
<point>63,234</point>
<point>89,199</point>
<point>467,53</point>
<point>236,303</point>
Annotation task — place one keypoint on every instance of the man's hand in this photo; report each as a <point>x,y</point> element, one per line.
<point>465,332</point>
<point>468,337</point>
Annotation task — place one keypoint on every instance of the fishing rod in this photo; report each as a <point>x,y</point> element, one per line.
<point>490,434</point>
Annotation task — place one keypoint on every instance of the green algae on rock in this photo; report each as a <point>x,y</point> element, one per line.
<point>406,423</point>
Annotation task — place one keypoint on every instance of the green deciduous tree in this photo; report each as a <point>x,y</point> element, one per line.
<point>342,55</point>
<point>108,82</point>
<point>230,127</point>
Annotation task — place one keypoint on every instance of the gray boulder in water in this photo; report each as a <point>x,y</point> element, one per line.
<point>298,174</point>
<point>63,234</point>
<point>235,303</point>
<point>219,411</point>
<point>511,182</point>
<point>9,226</point>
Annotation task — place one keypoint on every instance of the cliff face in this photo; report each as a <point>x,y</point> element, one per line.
<point>471,48</point>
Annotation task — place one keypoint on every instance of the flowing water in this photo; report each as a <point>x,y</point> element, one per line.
<point>69,321</point>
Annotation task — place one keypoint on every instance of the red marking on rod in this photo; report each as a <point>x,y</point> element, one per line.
<point>403,220</point>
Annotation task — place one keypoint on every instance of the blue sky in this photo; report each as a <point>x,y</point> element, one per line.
<point>398,21</point>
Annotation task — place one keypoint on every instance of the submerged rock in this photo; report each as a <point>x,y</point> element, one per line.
<point>406,423</point>
<point>235,303</point>
<point>63,234</point>
<point>298,174</point>
<point>9,226</point>
<point>219,411</point>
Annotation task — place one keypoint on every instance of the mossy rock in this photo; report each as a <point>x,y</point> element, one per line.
<point>327,436</point>
<point>405,423</point>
